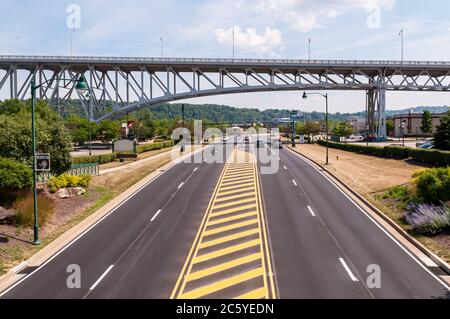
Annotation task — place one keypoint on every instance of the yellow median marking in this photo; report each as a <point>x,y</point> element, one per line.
<point>222,240</point>
<point>234,203</point>
<point>222,267</point>
<point>224,199</point>
<point>233,244</point>
<point>225,251</point>
<point>237,186</point>
<point>255,294</point>
<point>229,219</point>
<point>233,210</point>
<point>238,190</point>
<point>230,227</point>
<point>206,290</point>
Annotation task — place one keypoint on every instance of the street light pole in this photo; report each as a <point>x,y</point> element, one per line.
<point>90,122</point>
<point>182,126</point>
<point>81,86</point>
<point>293,129</point>
<point>305,96</point>
<point>326,124</point>
<point>33,145</point>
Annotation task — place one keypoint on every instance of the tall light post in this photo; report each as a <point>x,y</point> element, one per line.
<point>367,134</point>
<point>81,86</point>
<point>162,46</point>
<point>309,48</point>
<point>293,127</point>
<point>401,36</point>
<point>402,128</point>
<point>305,96</point>
<point>182,126</point>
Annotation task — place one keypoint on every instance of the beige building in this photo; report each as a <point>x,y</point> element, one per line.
<point>413,122</point>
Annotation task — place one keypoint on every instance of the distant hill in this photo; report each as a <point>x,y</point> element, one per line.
<point>228,114</point>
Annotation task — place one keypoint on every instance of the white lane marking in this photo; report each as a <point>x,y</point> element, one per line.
<point>284,166</point>
<point>295,183</point>
<point>181,185</point>
<point>375,222</point>
<point>174,163</point>
<point>195,169</point>
<point>101,277</point>
<point>349,272</point>
<point>156,215</point>
<point>311,211</point>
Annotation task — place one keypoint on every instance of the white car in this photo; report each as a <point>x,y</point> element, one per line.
<point>355,138</point>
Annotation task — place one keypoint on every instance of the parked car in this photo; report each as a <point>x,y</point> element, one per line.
<point>426,146</point>
<point>355,138</point>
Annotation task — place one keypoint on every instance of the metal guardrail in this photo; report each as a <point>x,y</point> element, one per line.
<point>76,169</point>
<point>99,59</point>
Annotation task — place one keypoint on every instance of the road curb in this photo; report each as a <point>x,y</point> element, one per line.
<point>78,230</point>
<point>444,266</point>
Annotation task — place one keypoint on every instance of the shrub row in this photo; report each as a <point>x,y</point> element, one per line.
<point>154,146</point>
<point>100,159</point>
<point>435,157</point>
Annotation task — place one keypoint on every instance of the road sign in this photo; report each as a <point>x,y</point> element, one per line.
<point>42,162</point>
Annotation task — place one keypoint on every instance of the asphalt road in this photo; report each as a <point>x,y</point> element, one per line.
<point>222,230</point>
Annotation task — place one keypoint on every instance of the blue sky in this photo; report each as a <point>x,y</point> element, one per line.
<point>339,29</point>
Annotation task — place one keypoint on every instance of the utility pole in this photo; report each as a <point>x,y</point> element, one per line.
<point>401,35</point>
<point>233,43</point>
<point>182,127</point>
<point>71,41</point>
<point>309,48</point>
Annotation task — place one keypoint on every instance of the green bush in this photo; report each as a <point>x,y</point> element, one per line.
<point>66,180</point>
<point>100,159</point>
<point>24,209</point>
<point>14,175</point>
<point>153,146</point>
<point>434,157</point>
<point>433,185</point>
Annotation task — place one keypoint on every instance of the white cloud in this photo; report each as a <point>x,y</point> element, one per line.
<point>250,40</point>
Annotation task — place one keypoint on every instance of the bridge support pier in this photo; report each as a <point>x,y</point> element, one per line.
<point>370,116</point>
<point>382,132</point>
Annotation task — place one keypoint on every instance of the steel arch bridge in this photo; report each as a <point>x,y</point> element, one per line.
<point>121,85</point>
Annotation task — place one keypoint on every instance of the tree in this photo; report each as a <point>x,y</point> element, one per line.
<point>51,135</point>
<point>309,128</point>
<point>79,129</point>
<point>342,129</point>
<point>442,135</point>
<point>390,125</point>
<point>427,123</point>
<point>108,131</point>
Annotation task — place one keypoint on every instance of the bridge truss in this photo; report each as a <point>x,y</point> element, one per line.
<point>123,85</point>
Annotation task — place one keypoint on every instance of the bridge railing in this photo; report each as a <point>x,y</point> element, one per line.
<point>98,59</point>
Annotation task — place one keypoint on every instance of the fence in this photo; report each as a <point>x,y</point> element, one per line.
<point>76,169</point>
